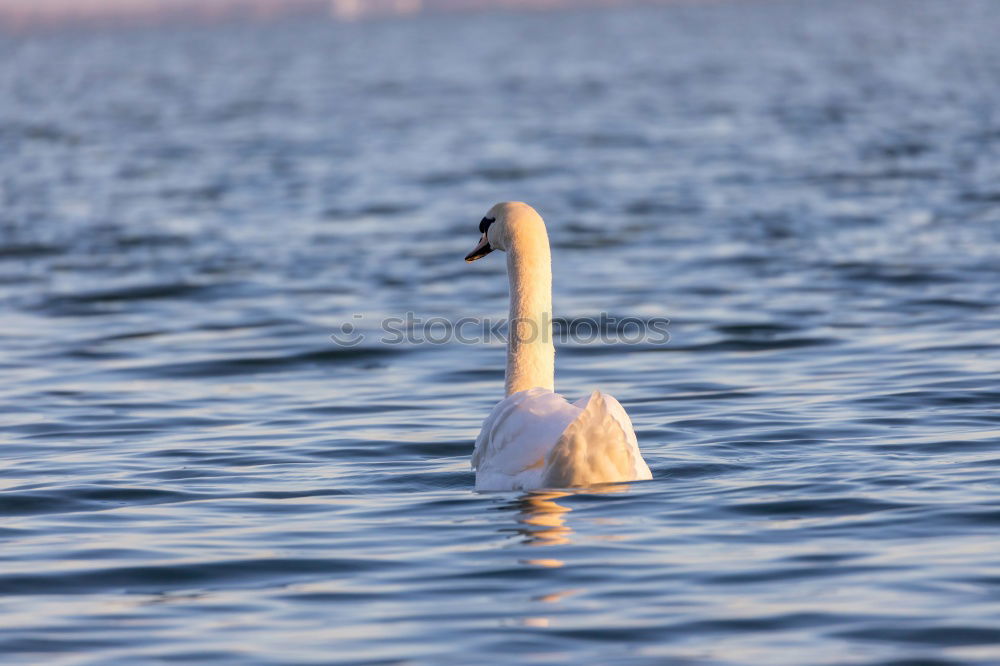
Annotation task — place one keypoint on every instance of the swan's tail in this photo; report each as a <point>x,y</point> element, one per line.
<point>599,446</point>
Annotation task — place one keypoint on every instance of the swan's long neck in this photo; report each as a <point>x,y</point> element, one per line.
<point>530,353</point>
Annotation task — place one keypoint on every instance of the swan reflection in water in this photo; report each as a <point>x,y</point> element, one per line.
<point>542,520</point>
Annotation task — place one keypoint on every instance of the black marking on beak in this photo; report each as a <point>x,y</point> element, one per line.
<point>484,247</point>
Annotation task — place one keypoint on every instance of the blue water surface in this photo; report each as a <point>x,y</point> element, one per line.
<point>194,471</point>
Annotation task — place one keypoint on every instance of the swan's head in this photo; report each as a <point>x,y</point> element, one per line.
<point>500,225</point>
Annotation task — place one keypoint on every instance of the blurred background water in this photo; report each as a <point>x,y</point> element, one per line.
<point>809,191</point>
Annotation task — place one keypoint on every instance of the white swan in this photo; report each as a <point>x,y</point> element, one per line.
<point>535,438</point>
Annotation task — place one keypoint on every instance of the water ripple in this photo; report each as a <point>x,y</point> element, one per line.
<point>194,471</point>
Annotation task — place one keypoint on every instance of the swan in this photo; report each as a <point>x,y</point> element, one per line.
<point>535,438</point>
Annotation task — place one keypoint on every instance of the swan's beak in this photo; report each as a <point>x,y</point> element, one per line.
<point>481,250</point>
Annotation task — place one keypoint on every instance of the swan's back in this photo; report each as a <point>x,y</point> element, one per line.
<point>599,446</point>
<point>516,437</point>
<point>537,439</point>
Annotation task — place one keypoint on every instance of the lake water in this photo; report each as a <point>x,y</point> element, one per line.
<point>193,470</point>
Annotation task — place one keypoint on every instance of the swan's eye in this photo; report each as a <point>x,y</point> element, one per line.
<point>485,224</point>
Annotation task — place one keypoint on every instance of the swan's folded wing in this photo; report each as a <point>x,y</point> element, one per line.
<point>520,431</point>
<point>599,446</point>
<point>614,408</point>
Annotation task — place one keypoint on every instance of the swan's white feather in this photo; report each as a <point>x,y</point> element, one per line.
<point>537,439</point>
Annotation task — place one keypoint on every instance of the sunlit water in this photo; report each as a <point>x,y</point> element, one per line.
<point>193,470</point>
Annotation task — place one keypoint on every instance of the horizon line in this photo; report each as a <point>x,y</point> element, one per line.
<point>17,16</point>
